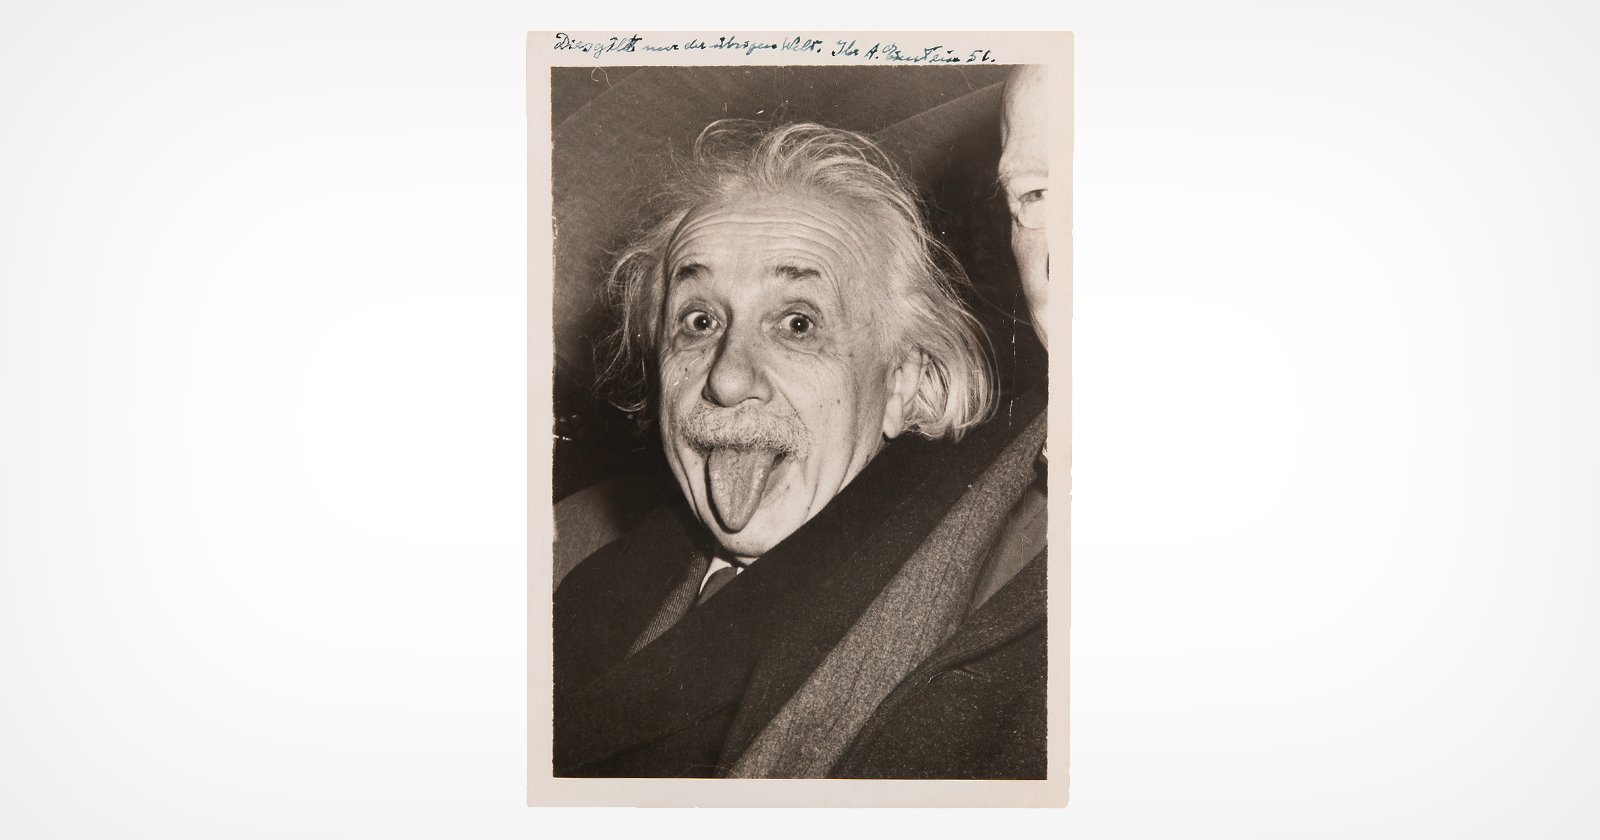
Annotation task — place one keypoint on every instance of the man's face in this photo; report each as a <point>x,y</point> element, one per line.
<point>776,391</point>
<point>1025,175</point>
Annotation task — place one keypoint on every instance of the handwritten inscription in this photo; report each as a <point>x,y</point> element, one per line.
<point>597,48</point>
<point>891,52</point>
<point>936,54</point>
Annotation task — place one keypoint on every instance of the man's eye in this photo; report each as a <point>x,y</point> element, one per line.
<point>797,324</point>
<point>1029,209</point>
<point>698,322</point>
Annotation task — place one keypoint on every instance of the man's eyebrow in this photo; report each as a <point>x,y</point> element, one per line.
<point>687,271</point>
<point>795,272</point>
<point>1021,171</point>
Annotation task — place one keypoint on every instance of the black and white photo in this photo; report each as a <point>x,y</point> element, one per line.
<point>800,402</point>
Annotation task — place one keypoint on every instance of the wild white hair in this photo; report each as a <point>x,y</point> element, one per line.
<point>917,302</point>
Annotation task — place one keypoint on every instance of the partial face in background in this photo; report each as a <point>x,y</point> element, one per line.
<point>1025,175</point>
<point>777,385</point>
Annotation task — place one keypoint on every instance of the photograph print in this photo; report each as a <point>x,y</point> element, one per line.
<point>799,332</point>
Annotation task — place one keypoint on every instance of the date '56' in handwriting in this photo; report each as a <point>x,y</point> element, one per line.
<point>937,54</point>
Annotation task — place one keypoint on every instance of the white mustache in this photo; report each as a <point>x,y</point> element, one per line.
<point>746,427</point>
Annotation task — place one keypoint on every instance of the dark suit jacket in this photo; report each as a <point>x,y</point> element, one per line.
<point>691,701</point>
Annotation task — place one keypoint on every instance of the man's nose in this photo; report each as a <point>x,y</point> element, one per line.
<point>738,373</point>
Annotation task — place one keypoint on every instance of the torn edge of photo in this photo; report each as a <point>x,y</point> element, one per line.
<point>797,442</point>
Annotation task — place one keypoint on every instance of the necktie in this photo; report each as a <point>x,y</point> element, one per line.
<point>684,597</point>
<point>718,579</point>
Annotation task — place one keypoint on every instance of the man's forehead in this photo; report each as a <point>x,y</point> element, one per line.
<point>1025,123</point>
<point>795,237</point>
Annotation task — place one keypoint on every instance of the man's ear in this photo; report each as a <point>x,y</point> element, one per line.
<point>903,381</point>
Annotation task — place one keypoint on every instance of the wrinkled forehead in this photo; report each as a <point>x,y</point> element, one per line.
<point>778,234</point>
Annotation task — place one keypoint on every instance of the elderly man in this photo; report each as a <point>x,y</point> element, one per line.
<point>1025,177</point>
<point>837,591</point>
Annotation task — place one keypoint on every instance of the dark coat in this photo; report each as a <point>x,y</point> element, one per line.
<point>691,701</point>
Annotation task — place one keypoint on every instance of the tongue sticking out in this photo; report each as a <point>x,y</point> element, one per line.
<point>737,478</point>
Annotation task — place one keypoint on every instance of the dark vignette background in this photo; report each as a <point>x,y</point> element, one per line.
<point>613,125</point>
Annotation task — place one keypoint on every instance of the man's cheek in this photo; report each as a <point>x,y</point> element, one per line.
<point>1030,248</point>
<point>678,373</point>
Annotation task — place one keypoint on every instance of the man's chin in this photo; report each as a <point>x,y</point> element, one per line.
<point>749,543</point>
<point>762,534</point>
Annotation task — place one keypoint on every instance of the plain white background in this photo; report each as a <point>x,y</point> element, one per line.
<point>263,423</point>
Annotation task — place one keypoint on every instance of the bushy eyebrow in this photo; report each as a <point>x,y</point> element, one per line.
<point>786,271</point>
<point>794,272</point>
<point>687,271</point>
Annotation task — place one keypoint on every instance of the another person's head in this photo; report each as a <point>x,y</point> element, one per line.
<point>785,314</point>
<point>1025,176</point>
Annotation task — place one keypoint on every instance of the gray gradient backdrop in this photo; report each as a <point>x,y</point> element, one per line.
<point>263,437</point>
